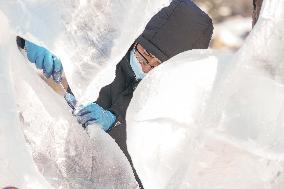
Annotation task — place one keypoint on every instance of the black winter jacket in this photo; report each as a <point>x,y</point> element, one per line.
<point>116,96</point>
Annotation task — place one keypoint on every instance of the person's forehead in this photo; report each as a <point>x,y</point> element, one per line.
<point>142,48</point>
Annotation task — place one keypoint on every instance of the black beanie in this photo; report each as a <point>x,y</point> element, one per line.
<point>177,28</point>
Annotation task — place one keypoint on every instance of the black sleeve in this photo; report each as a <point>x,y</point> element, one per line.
<point>109,93</point>
<point>112,93</point>
<point>120,106</point>
<point>20,42</point>
<point>104,99</point>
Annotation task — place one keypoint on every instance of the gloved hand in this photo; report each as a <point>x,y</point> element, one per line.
<point>43,59</point>
<point>93,113</point>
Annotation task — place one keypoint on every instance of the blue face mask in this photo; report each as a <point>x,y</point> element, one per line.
<point>136,66</point>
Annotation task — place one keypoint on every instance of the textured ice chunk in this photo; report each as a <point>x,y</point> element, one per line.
<point>164,118</point>
<point>62,151</point>
<point>16,167</point>
<point>89,36</point>
<point>214,124</point>
<point>42,146</point>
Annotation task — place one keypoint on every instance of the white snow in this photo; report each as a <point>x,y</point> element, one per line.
<point>204,119</point>
<point>209,120</point>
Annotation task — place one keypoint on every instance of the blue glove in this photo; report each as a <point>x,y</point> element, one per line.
<point>93,113</point>
<point>43,59</point>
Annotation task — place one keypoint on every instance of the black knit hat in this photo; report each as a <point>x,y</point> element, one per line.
<point>177,28</point>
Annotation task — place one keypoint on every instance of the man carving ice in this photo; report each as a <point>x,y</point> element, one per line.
<point>177,28</point>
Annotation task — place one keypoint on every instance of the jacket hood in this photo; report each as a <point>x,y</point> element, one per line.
<point>179,27</point>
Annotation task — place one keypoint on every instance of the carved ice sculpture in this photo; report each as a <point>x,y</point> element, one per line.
<point>209,120</point>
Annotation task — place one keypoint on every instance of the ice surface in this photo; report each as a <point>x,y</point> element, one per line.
<point>62,152</point>
<point>90,36</point>
<point>204,119</point>
<point>207,120</point>
<point>16,167</point>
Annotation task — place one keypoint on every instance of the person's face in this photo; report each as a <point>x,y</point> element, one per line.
<point>146,59</point>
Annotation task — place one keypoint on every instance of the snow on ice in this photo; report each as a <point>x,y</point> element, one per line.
<point>204,119</point>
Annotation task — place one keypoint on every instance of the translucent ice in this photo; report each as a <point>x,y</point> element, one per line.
<point>202,120</point>
<point>90,36</point>
<point>63,155</point>
<point>206,120</point>
<point>16,167</point>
